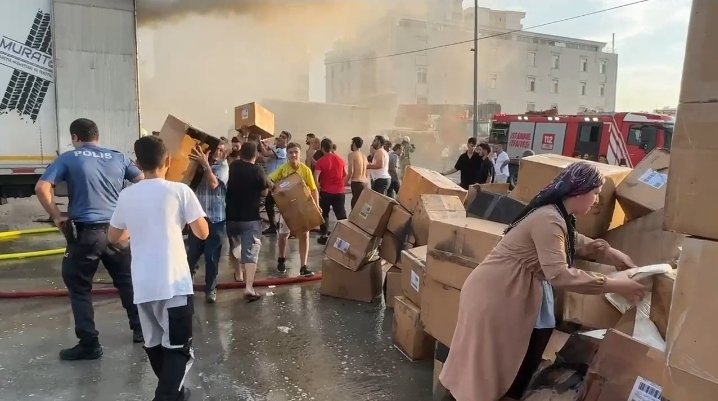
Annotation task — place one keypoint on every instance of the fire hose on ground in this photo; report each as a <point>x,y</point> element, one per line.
<point>278,281</point>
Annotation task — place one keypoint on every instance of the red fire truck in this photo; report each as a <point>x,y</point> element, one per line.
<point>621,137</point>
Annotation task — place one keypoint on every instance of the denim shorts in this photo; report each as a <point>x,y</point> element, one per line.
<point>245,240</point>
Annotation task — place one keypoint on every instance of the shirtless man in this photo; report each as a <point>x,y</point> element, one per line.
<point>379,167</point>
<point>313,145</point>
<point>356,177</point>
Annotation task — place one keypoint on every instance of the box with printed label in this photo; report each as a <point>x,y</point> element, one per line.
<point>180,138</point>
<point>467,236</point>
<point>399,221</point>
<point>413,271</point>
<point>644,190</point>
<point>393,286</point>
<point>363,285</point>
<point>371,212</point>
<point>439,310</point>
<point>418,181</point>
<point>254,118</point>
<point>432,208</point>
<point>295,203</point>
<point>536,172</point>
<point>408,332</point>
<point>350,246</point>
<point>691,194</point>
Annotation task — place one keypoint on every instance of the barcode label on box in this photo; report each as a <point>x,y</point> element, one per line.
<point>645,390</point>
<point>654,179</point>
<point>365,211</point>
<point>245,113</point>
<point>414,281</point>
<point>341,245</point>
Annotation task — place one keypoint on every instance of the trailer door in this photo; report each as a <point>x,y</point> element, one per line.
<point>549,138</point>
<point>96,69</point>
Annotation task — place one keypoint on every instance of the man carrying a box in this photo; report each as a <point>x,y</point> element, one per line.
<point>294,166</point>
<point>274,158</point>
<point>330,172</point>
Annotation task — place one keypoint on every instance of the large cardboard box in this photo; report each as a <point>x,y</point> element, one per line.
<point>399,221</point>
<point>691,337</point>
<point>439,310</point>
<point>536,172</point>
<point>254,118</point>
<point>363,285</point>
<point>590,311</point>
<point>625,369</point>
<point>295,202</point>
<point>180,138</point>
<point>644,190</point>
<point>432,208</point>
<point>484,204</point>
<point>418,181</point>
<point>645,241</point>
<point>449,268</point>
<point>469,237</point>
<point>661,297</point>
<point>393,286</point>
<point>692,193</point>
<point>350,246</point>
<point>371,212</point>
<point>413,272</point>
<point>390,248</point>
<point>700,66</point>
<point>408,332</point>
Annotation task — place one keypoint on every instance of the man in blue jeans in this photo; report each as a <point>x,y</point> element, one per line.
<point>211,193</point>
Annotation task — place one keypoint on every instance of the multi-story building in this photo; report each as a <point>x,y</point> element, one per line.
<point>521,71</point>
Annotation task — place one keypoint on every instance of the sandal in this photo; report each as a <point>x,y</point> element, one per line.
<point>252,297</point>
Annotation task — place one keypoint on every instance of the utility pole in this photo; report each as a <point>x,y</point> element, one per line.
<point>476,69</point>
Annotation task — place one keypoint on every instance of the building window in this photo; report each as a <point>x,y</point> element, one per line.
<point>422,100</point>
<point>531,84</point>
<point>584,64</point>
<point>602,90</point>
<point>492,81</point>
<point>421,76</point>
<point>531,107</point>
<point>602,66</point>
<point>555,86</point>
<point>555,61</point>
<point>583,88</point>
<point>532,59</point>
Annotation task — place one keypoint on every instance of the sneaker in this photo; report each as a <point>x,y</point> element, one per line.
<point>80,352</point>
<point>305,272</point>
<point>137,336</point>
<point>272,230</point>
<point>323,240</point>
<point>281,265</point>
<point>211,297</point>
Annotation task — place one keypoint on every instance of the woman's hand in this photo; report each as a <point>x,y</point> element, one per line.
<point>620,259</point>
<point>628,288</point>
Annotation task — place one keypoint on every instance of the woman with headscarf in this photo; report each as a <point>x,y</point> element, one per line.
<point>506,309</point>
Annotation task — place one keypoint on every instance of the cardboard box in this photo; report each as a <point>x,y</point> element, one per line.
<point>644,190</point>
<point>371,212</point>
<point>393,286</point>
<point>439,310</point>
<point>624,369</point>
<point>399,221</point>
<point>295,202</point>
<point>661,297</point>
<point>449,268</point>
<point>408,332</point>
<point>692,192</point>
<point>700,66</point>
<point>492,206</point>
<point>254,118</point>
<point>469,237</point>
<point>431,208</point>
<point>363,285</point>
<point>690,340</point>
<point>590,311</point>
<point>645,241</point>
<point>350,246</point>
<point>180,138</point>
<point>536,172</point>
<point>418,181</point>
<point>413,272</point>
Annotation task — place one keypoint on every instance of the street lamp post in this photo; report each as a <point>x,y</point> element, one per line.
<point>476,68</point>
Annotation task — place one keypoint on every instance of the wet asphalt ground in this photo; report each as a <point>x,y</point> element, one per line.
<point>293,344</point>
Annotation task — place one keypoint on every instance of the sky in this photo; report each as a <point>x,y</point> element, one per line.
<point>650,41</point>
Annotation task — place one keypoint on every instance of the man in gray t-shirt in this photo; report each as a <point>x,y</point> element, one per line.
<point>394,157</point>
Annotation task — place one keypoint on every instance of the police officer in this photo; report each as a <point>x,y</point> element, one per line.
<point>95,176</point>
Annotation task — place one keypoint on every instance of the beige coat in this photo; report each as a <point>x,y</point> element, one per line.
<point>500,303</point>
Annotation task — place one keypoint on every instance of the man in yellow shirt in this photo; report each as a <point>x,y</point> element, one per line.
<point>292,166</point>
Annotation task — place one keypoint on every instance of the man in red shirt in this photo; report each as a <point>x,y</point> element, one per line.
<point>330,174</point>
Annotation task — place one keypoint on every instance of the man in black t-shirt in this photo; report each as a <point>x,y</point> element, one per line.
<point>487,171</point>
<point>246,186</point>
<point>469,164</point>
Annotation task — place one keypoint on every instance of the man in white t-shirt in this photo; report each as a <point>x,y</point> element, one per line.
<point>501,164</point>
<point>153,213</point>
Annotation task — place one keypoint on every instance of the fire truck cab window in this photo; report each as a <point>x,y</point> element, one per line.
<point>590,133</point>
<point>643,136</point>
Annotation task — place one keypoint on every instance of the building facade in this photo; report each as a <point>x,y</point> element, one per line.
<point>522,71</point>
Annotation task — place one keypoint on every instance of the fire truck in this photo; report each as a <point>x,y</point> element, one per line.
<point>623,138</point>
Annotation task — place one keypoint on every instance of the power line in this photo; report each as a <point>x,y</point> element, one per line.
<point>492,35</point>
